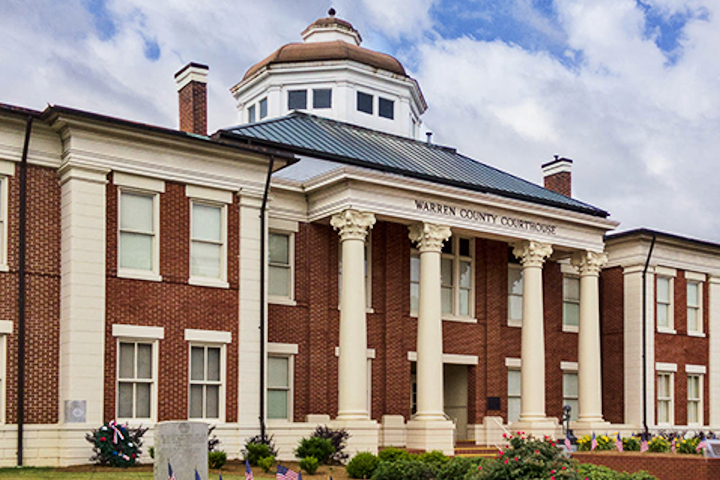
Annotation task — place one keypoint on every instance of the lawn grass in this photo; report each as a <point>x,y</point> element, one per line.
<point>233,470</point>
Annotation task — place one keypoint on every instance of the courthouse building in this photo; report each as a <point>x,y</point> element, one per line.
<point>318,264</point>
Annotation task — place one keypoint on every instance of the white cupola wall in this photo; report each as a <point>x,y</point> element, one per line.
<point>330,75</point>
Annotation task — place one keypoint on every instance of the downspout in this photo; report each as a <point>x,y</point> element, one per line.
<point>644,335</point>
<point>263,263</point>
<point>22,220</point>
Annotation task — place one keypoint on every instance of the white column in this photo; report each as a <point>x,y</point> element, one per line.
<point>82,297</point>
<point>249,303</point>
<point>429,239</point>
<point>353,227</point>
<point>589,368</point>
<point>532,255</point>
<point>713,286</point>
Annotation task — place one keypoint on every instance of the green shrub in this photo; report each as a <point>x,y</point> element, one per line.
<point>596,472</point>
<point>391,454</point>
<point>528,457</point>
<point>642,475</point>
<point>403,470</point>
<point>116,445</point>
<point>436,459</point>
<point>309,464</point>
<point>631,444</point>
<point>688,446</point>
<point>320,448</point>
<point>362,465</point>
<point>460,467</point>
<point>338,439</point>
<point>255,451</point>
<point>659,444</point>
<point>266,463</point>
<point>216,459</point>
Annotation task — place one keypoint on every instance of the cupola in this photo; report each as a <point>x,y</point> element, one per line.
<point>330,29</point>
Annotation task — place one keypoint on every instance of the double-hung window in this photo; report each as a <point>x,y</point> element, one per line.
<point>571,303</point>
<point>279,386</point>
<point>207,241</point>
<point>251,114</point>
<point>138,235</point>
<point>570,392</point>
<point>136,379</point>
<point>694,307</point>
<point>513,394</point>
<point>665,398</point>
<point>694,399</point>
<point>280,268</point>
<point>515,295</point>
<point>263,108</point>
<point>663,305</point>
<point>206,384</point>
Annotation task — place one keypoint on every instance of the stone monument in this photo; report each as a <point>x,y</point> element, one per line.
<point>183,445</point>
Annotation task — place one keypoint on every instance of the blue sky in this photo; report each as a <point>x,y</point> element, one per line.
<point>627,88</point>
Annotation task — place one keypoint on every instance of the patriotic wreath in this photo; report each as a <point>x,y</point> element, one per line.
<point>115,444</point>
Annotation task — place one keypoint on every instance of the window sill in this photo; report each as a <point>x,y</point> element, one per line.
<point>139,275</point>
<point>208,282</point>
<point>279,421</point>
<point>450,318</point>
<point>282,301</point>
<point>136,422</point>
<point>570,328</point>
<point>696,334</point>
<point>514,323</point>
<point>669,331</point>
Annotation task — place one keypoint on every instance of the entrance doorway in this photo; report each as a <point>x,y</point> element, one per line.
<point>456,397</point>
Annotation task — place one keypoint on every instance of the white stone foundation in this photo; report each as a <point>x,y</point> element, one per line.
<point>431,435</point>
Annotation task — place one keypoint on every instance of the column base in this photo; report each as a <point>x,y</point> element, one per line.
<point>431,435</point>
<point>364,435</point>
<point>538,427</point>
<point>587,427</point>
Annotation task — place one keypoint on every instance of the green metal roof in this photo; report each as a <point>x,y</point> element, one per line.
<point>350,144</point>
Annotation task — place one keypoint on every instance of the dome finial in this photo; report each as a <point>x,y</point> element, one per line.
<point>331,12</point>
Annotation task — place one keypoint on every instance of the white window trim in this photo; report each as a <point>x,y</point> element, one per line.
<point>290,299</point>
<point>513,362</point>
<point>513,322</point>
<point>223,377</point>
<point>291,389</point>
<point>210,281</point>
<point>155,344</point>
<point>207,336</point>
<point>456,259</point>
<point>7,169</point>
<point>138,332</point>
<point>701,402</point>
<point>700,319</point>
<point>450,358</point>
<point>154,275</point>
<point>670,328</point>
<point>570,328</point>
<point>671,410</point>
<point>569,367</point>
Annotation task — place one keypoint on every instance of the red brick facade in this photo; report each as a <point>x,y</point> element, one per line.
<point>560,182</point>
<point>661,465</point>
<point>42,321</point>
<point>172,304</point>
<point>612,297</point>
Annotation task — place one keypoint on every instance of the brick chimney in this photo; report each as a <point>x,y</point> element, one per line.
<point>191,83</point>
<point>557,175</point>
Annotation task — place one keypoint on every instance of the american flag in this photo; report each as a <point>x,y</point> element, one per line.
<point>644,444</point>
<point>701,445</point>
<point>197,475</point>
<point>593,443</point>
<point>248,471</point>
<point>568,443</point>
<point>284,473</point>
<point>171,474</point>
<point>618,443</point>
<point>673,446</point>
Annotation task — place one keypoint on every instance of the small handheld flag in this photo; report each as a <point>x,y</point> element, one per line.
<point>593,443</point>
<point>618,443</point>
<point>284,473</point>
<point>673,446</point>
<point>197,475</point>
<point>644,444</point>
<point>701,445</point>
<point>568,443</point>
<point>171,474</point>
<point>248,471</point>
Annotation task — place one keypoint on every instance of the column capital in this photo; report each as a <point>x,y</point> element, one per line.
<point>589,263</point>
<point>532,253</point>
<point>428,236</point>
<point>352,225</point>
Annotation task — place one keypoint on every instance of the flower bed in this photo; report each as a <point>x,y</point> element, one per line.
<point>665,466</point>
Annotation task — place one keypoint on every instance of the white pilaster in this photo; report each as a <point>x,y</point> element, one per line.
<point>589,363</point>
<point>633,344</point>
<point>532,255</point>
<point>353,227</point>
<point>714,335</point>
<point>82,297</point>
<point>249,314</point>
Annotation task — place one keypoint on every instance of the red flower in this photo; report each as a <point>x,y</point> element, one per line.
<point>506,461</point>
<point>102,439</point>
